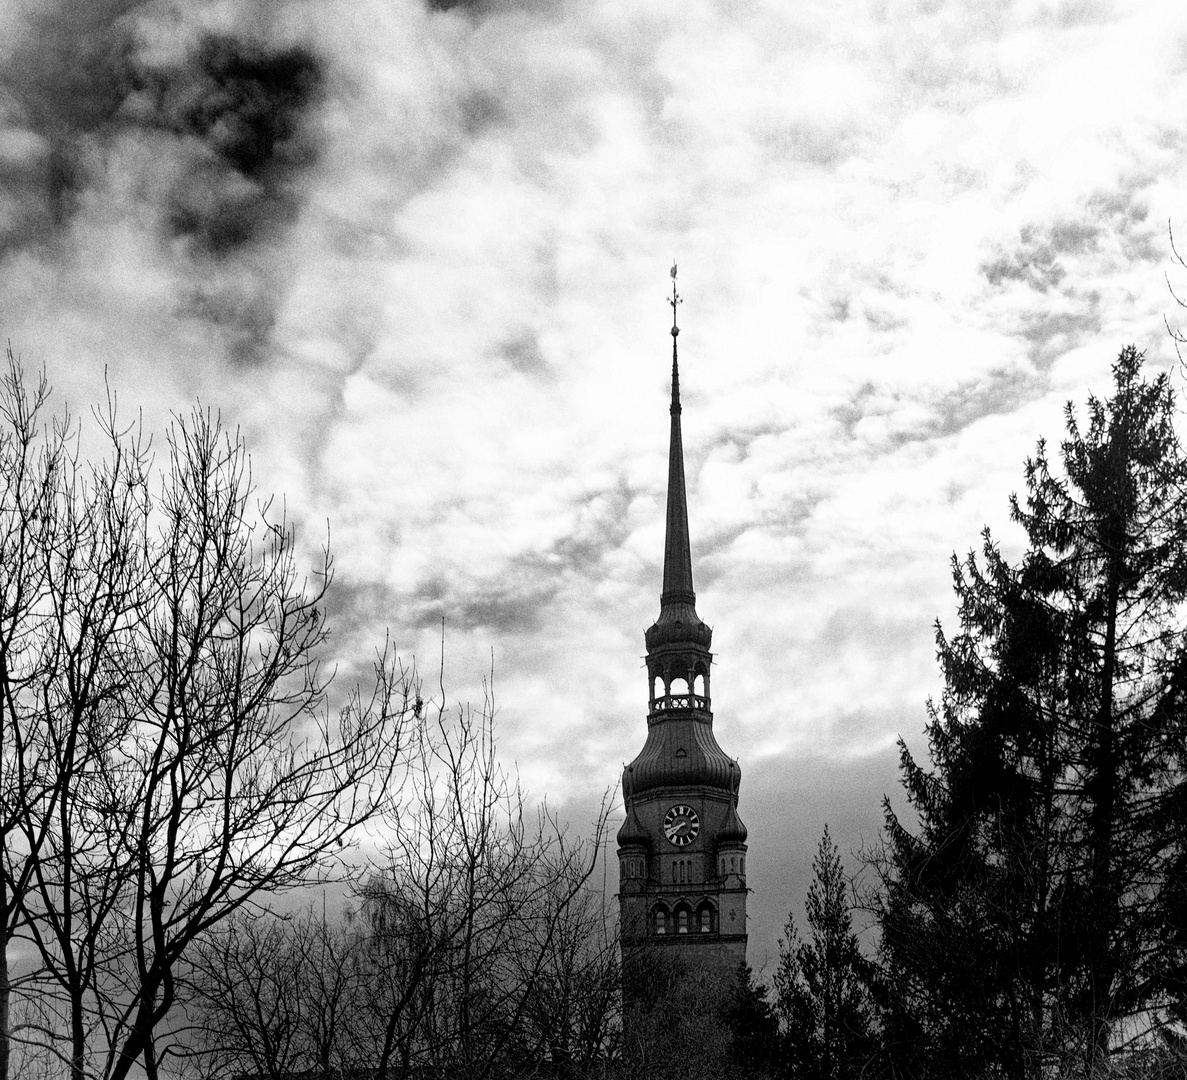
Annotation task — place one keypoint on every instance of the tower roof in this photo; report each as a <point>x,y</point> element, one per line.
<point>632,832</point>
<point>678,622</point>
<point>733,831</point>
<point>681,752</point>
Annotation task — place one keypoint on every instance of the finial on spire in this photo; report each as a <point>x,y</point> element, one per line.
<point>674,301</point>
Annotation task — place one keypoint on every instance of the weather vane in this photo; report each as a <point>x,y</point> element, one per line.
<point>676,299</point>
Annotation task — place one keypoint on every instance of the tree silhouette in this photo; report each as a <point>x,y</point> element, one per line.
<point>822,994</point>
<point>169,759</point>
<point>1029,921</point>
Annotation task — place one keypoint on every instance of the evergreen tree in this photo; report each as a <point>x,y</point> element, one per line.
<point>753,1027</point>
<point>822,995</point>
<point>1029,921</point>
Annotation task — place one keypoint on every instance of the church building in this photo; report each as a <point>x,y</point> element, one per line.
<point>682,848</point>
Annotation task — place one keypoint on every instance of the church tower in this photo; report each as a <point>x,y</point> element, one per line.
<point>682,848</point>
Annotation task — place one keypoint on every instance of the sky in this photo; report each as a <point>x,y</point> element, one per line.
<point>417,251</point>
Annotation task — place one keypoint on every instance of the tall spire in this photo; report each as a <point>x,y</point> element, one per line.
<point>677,586</point>
<point>678,627</point>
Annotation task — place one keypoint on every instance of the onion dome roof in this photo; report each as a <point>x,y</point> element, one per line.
<point>733,831</point>
<point>632,831</point>
<point>681,752</point>
<point>678,624</point>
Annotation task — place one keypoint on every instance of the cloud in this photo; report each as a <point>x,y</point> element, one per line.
<point>64,80</point>
<point>1060,266</point>
<point>883,417</point>
<point>419,251</point>
<point>124,127</point>
<point>240,108</point>
<point>524,355</point>
<point>1111,225</point>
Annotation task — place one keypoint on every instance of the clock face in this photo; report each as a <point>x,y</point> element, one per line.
<point>681,825</point>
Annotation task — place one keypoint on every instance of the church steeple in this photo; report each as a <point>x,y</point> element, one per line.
<point>678,642</point>
<point>677,551</point>
<point>682,848</point>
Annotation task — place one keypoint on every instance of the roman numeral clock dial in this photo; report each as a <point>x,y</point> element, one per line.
<point>681,825</point>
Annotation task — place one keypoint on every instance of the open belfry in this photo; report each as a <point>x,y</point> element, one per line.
<point>682,847</point>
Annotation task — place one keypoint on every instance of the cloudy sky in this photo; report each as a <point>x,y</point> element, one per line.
<point>418,250</point>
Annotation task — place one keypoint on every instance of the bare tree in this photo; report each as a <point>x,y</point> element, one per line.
<point>468,911</point>
<point>170,758</point>
<point>476,949</point>
<point>72,589</point>
<point>573,1004</point>
<point>27,465</point>
<point>242,786</point>
<point>271,995</point>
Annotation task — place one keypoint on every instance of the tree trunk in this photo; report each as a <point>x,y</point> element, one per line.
<point>5,994</point>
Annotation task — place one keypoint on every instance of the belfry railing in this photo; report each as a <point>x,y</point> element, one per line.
<point>680,701</point>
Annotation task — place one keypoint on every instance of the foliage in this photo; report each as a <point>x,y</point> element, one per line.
<point>755,1049</point>
<point>822,995</point>
<point>1032,922</point>
<point>673,1024</point>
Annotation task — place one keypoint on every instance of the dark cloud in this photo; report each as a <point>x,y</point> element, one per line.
<point>243,313</point>
<point>1060,261</point>
<point>515,599</point>
<point>509,604</point>
<point>838,309</point>
<point>1050,334</point>
<point>224,124</point>
<point>485,7</point>
<point>240,108</point>
<point>65,79</point>
<point>809,143</point>
<point>523,354</point>
<point>479,112</point>
<point>862,402</point>
<point>1039,259</point>
<point>352,604</point>
<point>70,70</point>
<point>1000,391</point>
<point>884,321</point>
<point>603,526</point>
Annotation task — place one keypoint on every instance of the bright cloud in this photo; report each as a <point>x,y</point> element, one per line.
<point>419,251</point>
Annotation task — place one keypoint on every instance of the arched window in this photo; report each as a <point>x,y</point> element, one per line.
<point>674,871</point>
<point>743,861</point>
<point>733,864</point>
<point>661,921</point>
<point>678,686</point>
<point>657,687</point>
<point>706,919</point>
<point>683,871</point>
<point>698,684</point>
<point>682,921</point>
